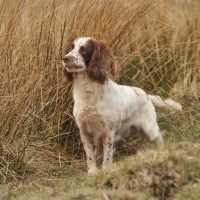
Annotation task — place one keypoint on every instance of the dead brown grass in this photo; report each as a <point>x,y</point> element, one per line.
<point>156,47</point>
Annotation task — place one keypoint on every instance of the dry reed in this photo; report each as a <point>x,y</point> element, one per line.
<point>156,48</point>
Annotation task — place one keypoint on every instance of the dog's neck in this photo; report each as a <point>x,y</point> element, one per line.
<point>86,89</point>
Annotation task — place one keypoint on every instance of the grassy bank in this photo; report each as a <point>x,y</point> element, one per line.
<point>173,173</point>
<point>157,47</point>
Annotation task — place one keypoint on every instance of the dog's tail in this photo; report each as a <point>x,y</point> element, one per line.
<point>167,105</point>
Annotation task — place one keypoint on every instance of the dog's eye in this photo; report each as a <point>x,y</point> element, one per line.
<point>83,50</point>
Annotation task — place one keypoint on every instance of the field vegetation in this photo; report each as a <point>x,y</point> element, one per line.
<point>157,48</point>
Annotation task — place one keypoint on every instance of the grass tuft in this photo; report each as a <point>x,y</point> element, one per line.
<point>160,174</point>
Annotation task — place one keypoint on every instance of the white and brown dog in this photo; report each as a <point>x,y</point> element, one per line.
<point>105,111</point>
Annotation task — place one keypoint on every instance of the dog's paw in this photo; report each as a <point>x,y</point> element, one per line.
<point>92,172</point>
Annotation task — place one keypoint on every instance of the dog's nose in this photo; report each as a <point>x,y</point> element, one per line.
<point>67,59</point>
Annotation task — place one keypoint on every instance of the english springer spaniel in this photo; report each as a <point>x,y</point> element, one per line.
<point>105,111</point>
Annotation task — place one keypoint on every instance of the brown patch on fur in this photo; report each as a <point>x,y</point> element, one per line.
<point>93,140</point>
<point>102,64</point>
<point>98,147</point>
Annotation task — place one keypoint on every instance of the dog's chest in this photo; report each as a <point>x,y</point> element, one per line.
<point>95,117</point>
<point>89,119</point>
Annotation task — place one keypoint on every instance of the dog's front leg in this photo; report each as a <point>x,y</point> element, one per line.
<point>108,150</point>
<point>89,147</point>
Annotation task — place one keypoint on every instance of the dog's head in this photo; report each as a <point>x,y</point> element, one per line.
<point>89,55</point>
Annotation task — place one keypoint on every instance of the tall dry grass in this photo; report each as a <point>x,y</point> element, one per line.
<point>157,47</point>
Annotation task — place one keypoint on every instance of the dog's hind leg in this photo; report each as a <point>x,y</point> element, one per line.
<point>148,126</point>
<point>155,137</point>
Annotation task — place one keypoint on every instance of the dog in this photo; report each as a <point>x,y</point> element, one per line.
<point>105,111</point>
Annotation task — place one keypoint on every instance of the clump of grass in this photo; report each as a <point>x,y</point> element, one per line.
<point>191,191</point>
<point>81,194</point>
<point>161,174</point>
<point>90,193</point>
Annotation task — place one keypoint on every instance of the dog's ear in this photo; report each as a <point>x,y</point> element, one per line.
<point>102,63</point>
